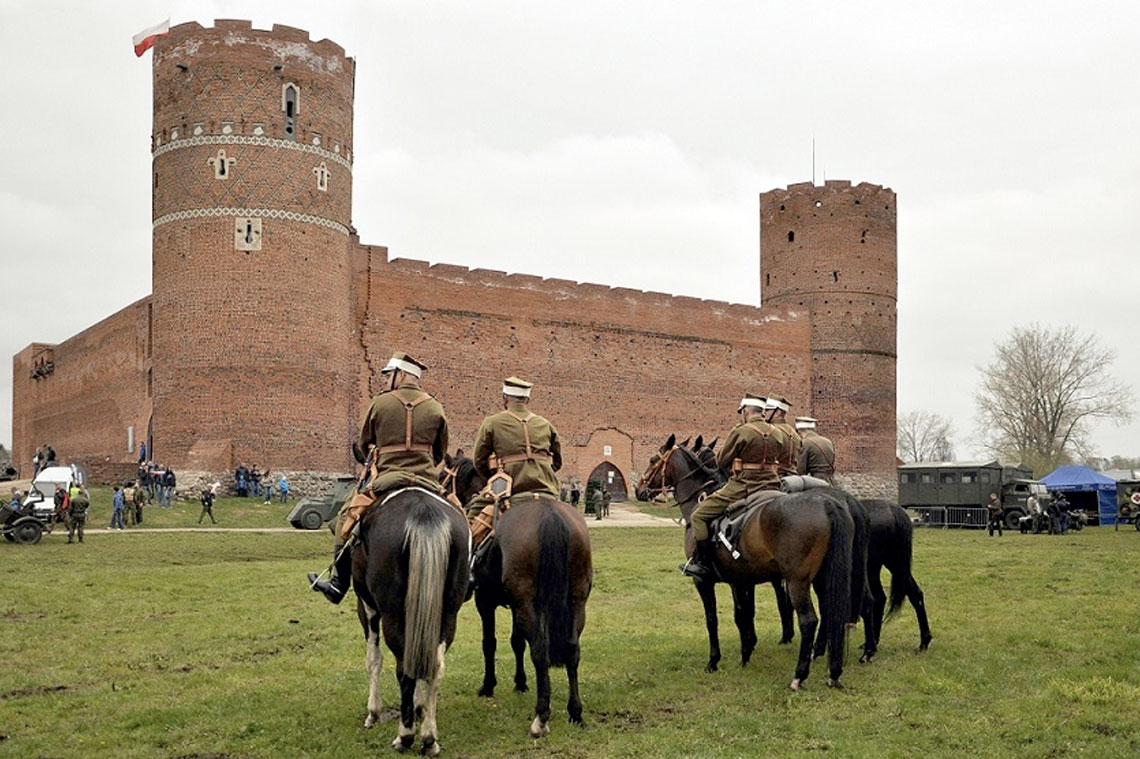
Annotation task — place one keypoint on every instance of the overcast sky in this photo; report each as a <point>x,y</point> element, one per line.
<point>626,143</point>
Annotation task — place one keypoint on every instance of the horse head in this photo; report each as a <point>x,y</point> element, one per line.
<point>467,481</point>
<point>689,477</point>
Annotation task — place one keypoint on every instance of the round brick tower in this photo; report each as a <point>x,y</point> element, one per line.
<point>833,249</point>
<point>251,325</point>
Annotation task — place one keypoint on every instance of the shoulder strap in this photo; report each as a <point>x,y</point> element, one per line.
<point>526,429</point>
<point>829,459</point>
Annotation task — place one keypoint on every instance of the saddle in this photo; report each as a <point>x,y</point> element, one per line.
<point>728,527</point>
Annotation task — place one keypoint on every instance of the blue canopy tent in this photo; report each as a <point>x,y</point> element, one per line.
<point>1081,479</point>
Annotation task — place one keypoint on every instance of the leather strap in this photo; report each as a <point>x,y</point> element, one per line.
<point>822,452</point>
<point>530,455</point>
<point>408,445</point>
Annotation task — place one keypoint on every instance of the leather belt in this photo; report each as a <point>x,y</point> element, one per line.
<point>401,448</point>
<point>515,458</point>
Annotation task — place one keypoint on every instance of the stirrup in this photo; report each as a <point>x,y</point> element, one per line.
<point>695,569</point>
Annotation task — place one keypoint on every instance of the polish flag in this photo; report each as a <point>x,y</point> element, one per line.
<point>144,40</point>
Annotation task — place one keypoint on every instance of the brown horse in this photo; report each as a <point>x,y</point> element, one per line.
<point>411,576</point>
<point>539,565</point>
<point>806,539</point>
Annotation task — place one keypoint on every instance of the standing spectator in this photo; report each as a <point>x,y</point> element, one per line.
<point>118,506</point>
<point>37,461</point>
<point>575,494</point>
<point>241,481</point>
<point>138,498</point>
<point>168,482</point>
<point>49,455</point>
<point>77,510</point>
<point>267,487</point>
<point>61,503</point>
<point>996,516</point>
<point>142,452</point>
<point>207,505</point>
<point>255,482</point>
<point>283,488</point>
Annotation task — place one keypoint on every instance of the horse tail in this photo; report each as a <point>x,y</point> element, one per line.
<point>902,555</point>
<point>555,623</point>
<point>835,601</point>
<point>427,540</point>
<point>861,542</point>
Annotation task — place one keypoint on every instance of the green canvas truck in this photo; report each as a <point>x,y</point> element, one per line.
<point>955,493</point>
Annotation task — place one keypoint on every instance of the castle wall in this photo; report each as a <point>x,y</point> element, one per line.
<point>89,390</point>
<point>252,147</point>
<point>646,363</point>
<point>832,250</point>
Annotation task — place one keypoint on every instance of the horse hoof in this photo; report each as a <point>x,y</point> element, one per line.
<point>538,728</point>
<point>796,684</point>
<point>578,721</point>
<point>403,742</point>
<point>521,688</point>
<point>832,683</point>
<point>431,747</point>
<point>487,691</point>
<point>370,720</point>
<point>866,658</point>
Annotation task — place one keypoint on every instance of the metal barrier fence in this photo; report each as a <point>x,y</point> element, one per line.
<point>952,516</point>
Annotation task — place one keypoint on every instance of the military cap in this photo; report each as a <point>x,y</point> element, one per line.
<point>749,400</point>
<point>518,388</point>
<point>404,363</point>
<point>805,423</point>
<point>776,402</point>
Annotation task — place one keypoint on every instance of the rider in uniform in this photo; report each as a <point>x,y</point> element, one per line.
<point>752,454</point>
<point>521,444</point>
<point>817,454</point>
<point>404,437</point>
<point>777,415</point>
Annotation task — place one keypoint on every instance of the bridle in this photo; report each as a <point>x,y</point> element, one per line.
<point>656,468</point>
<point>699,469</point>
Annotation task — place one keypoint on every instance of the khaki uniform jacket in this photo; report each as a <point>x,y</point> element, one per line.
<point>817,457</point>
<point>405,450</point>
<point>792,446</point>
<point>502,434</point>
<point>759,446</point>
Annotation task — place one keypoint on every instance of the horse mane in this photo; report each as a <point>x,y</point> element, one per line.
<point>465,474</point>
<point>696,463</point>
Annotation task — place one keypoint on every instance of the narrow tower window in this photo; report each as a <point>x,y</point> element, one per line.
<point>290,97</point>
<point>791,236</point>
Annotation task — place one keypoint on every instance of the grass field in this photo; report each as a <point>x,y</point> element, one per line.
<point>230,511</point>
<point>209,645</point>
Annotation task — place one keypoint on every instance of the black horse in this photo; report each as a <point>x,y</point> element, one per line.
<point>538,565</point>
<point>892,546</point>
<point>805,539</point>
<point>411,577</point>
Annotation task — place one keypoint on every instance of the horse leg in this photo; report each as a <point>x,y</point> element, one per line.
<point>784,605</point>
<point>707,591</point>
<point>518,646</point>
<point>406,733</point>
<point>800,592</point>
<point>874,628</point>
<point>526,626</point>
<point>744,614</point>
<point>486,608</point>
<point>429,745</point>
<point>574,704</point>
<point>918,601</point>
<point>820,646</point>
<point>373,658</point>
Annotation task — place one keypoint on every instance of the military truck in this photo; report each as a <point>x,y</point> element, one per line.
<point>955,493</point>
<point>315,510</point>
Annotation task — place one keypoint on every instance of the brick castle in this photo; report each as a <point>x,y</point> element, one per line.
<point>252,150</point>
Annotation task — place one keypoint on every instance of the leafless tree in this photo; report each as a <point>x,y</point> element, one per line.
<point>923,436</point>
<point>1037,399</point>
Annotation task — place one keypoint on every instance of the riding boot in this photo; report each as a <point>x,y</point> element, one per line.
<point>700,565</point>
<point>336,586</point>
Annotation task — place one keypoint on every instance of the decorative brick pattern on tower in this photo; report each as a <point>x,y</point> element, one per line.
<point>270,320</point>
<point>832,250</point>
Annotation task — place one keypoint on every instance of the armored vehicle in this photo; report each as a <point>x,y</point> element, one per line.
<point>313,511</point>
<point>1128,502</point>
<point>955,493</point>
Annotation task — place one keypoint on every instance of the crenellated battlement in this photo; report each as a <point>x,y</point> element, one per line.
<point>564,289</point>
<point>233,31</point>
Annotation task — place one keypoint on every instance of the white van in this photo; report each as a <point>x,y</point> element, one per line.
<point>41,496</point>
